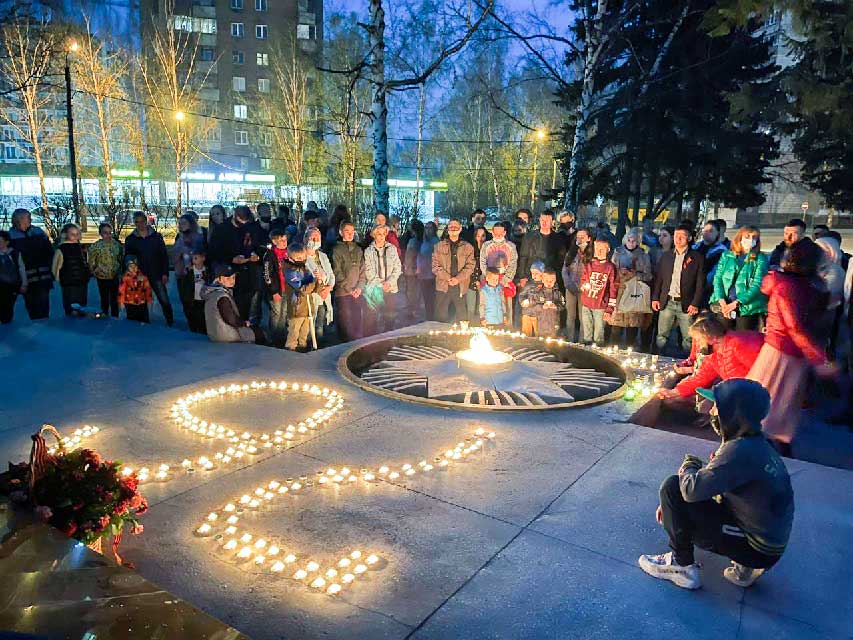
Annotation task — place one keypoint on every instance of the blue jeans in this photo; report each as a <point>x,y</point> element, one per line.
<point>671,313</point>
<point>278,321</point>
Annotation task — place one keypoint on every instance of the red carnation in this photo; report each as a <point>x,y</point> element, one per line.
<point>136,501</point>
<point>122,507</point>
<point>143,508</point>
<point>131,482</point>
<point>70,529</point>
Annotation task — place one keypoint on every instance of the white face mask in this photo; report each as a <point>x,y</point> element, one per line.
<point>313,244</point>
<point>747,243</point>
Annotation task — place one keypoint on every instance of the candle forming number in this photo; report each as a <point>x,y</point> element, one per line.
<point>224,527</point>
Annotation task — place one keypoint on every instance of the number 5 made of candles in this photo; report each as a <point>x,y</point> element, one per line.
<point>224,526</point>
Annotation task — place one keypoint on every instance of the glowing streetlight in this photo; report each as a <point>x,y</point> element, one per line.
<point>179,116</point>
<point>539,137</point>
<point>540,134</point>
<point>73,46</point>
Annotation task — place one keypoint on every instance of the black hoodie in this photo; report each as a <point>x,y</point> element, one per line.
<point>746,471</point>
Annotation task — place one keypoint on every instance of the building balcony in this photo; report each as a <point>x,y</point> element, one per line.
<point>308,46</point>
<point>204,12</point>
<point>207,39</point>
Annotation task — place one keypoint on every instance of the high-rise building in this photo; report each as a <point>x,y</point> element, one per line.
<point>237,41</point>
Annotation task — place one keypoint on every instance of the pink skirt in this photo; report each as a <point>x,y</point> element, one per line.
<point>784,377</point>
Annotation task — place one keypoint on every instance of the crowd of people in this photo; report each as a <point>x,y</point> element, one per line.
<point>269,279</point>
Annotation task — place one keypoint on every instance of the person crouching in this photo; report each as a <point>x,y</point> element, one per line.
<point>300,285</point>
<point>221,315</point>
<point>739,505</point>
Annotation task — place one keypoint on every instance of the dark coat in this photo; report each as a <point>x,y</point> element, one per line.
<point>692,279</point>
<point>550,249</point>
<point>150,252</point>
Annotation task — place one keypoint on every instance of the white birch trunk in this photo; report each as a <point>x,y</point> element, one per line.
<point>419,159</point>
<point>379,107</point>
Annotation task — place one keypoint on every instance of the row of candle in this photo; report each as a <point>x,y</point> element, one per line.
<point>244,546</point>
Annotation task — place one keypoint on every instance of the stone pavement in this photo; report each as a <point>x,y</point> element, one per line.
<point>537,537</point>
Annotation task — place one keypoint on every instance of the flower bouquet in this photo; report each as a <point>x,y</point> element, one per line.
<point>85,497</point>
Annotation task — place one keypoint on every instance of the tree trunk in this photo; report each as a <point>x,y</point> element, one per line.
<point>421,105</point>
<point>625,195</point>
<point>637,191</point>
<point>679,207</point>
<point>584,109</point>
<point>379,107</point>
<point>653,178</point>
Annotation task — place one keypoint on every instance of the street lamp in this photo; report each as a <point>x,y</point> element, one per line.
<point>69,116</point>
<point>539,137</point>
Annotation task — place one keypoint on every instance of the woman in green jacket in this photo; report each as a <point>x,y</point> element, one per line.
<point>737,296</point>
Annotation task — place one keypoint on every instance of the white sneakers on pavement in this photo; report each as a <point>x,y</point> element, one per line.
<point>664,567</point>
<point>742,576</point>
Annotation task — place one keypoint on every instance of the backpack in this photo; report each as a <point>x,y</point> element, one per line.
<point>9,274</point>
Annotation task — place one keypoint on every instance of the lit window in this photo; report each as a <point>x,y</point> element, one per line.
<point>263,85</point>
<point>241,137</point>
<point>261,31</point>
<point>260,5</point>
<point>237,29</point>
<point>265,138</point>
<point>263,59</point>
<point>306,31</point>
<point>265,163</point>
<point>241,111</point>
<point>193,25</point>
<point>237,5</point>
<point>238,83</point>
<point>237,57</point>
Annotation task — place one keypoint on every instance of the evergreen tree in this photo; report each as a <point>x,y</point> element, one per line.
<point>820,90</point>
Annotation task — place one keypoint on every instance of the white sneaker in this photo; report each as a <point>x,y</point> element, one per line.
<point>742,576</point>
<point>665,568</point>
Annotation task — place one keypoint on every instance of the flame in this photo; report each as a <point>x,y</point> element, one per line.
<point>480,351</point>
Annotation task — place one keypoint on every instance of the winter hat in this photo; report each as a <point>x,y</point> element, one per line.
<point>224,270</point>
<point>538,266</point>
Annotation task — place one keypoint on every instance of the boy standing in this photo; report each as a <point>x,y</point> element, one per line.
<point>599,286</point>
<point>300,285</point>
<point>549,305</point>
<point>274,265</point>
<point>190,286</point>
<point>492,300</point>
<point>529,298</point>
<point>134,292</point>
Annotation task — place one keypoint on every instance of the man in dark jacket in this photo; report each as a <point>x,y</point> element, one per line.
<point>478,221</point>
<point>793,232</point>
<point>348,266</point>
<point>240,243</point>
<point>711,248</point>
<point>739,505</point>
<point>148,247</point>
<point>546,245</point>
<point>678,288</point>
<point>37,253</point>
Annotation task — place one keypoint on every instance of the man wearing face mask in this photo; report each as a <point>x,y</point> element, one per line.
<point>739,505</point>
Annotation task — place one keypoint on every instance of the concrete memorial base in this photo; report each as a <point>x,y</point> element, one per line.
<point>534,535</point>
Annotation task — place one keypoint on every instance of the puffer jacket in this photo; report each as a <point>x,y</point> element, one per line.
<point>492,305</point>
<point>791,300</point>
<point>348,265</point>
<point>216,300</point>
<point>732,358</point>
<point>464,265</point>
<point>746,277</point>
<point>37,253</point>
<point>378,261</point>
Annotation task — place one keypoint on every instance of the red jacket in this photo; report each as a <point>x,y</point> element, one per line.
<point>791,299</point>
<point>599,285</point>
<point>732,358</point>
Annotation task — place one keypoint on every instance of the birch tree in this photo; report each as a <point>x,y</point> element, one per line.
<point>462,18</point>
<point>28,50</point>
<point>173,86</point>
<point>106,115</point>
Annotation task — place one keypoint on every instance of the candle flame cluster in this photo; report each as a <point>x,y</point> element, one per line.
<point>644,371</point>
<point>240,443</point>
<point>246,547</point>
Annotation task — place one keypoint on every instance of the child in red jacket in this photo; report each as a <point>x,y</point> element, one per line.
<point>598,286</point>
<point>134,293</point>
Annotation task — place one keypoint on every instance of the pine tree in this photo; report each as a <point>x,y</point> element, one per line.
<point>820,90</point>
